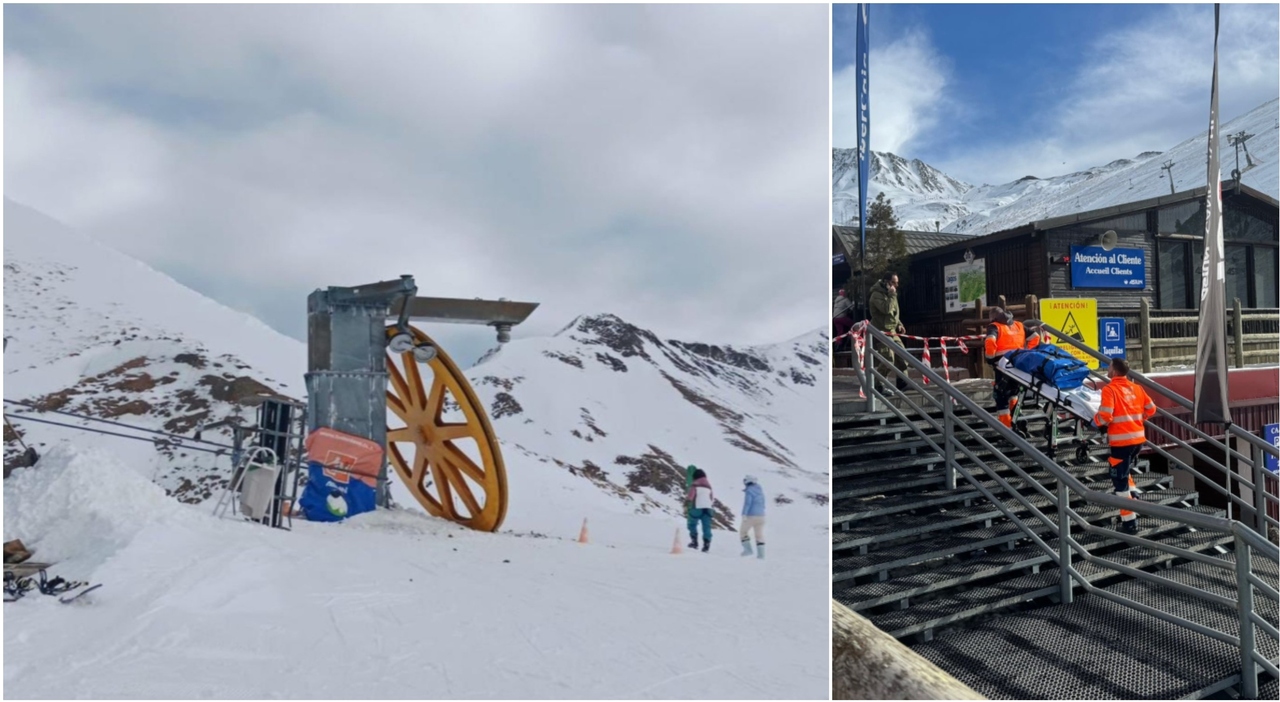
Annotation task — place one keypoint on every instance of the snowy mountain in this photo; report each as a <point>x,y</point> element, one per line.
<point>606,406</point>
<point>921,200</point>
<point>603,413</point>
<point>596,422</point>
<point>921,194</point>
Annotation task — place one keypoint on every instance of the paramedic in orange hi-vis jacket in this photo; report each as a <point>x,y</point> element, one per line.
<point>1004,334</point>
<point>1125,407</point>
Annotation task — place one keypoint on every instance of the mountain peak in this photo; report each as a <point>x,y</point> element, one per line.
<point>610,330</point>
<point>923,196</point>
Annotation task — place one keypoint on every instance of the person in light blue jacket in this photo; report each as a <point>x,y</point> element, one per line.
<point>752,516</point>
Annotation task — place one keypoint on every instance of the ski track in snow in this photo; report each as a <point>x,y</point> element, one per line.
<point>334,612</point>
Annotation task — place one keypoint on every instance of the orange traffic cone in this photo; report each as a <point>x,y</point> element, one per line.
<point>583,537</point>
<point>676,548</point>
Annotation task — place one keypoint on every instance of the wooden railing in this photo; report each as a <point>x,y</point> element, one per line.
<point>1155,339</point>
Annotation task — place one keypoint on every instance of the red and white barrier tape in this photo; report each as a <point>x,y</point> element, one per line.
<point>859,346</point>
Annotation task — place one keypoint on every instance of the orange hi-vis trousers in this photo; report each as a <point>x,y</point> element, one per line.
<point>1121,461</point>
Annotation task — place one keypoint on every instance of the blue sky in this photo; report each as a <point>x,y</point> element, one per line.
<point>986,92</point>
<point>642,161</point>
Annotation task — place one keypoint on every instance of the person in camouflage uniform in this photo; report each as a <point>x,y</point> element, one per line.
<point>883,302</point>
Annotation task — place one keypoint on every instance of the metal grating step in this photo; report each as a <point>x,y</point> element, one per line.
<point>918,456</point>
<point>1090,649</point>
<point>961,606</point>
<point>961,570</point>
<point>1209,614</point>
<point>856,509</point>
<point>864,433</point>
<point>882,561</point>
<point>887,484</point>
<point>848,512</point>
<point>912,525</point>
<point>873,448</point>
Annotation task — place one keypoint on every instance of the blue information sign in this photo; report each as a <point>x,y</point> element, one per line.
<point>837,259</point>
<point>1271,434</point>
<point>1111,336</point>
<point>1095,267</point>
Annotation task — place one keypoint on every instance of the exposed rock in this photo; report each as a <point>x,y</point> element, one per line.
<point>564,358</point>
<point>725,355</point>
<point>504,405</point>
<point>622,337</point>
<point>658,471</point>
<point>194,360</point>
<point>236,390</point>
<point>611,362</point>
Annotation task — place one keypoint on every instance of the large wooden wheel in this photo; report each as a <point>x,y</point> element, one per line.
<point>453,468</point>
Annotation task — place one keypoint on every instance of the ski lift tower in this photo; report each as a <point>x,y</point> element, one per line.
<point>365,371</point>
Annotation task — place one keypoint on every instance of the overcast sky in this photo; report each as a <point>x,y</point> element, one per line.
<point>991,93</point>
<point>664,163</point>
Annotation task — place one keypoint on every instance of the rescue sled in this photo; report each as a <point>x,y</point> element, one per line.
<point>1077,406</point>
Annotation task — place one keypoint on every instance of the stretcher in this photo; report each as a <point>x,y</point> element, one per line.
<point>1076,407</point>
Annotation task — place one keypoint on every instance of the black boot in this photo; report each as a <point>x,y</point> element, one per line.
<point>901,384</point>
<point>693,541</point>
<point>1129,527</point>
<point>706,545</point>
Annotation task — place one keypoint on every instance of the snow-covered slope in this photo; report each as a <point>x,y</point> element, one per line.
<point>983,209</point>
<point>602,413</point>
<point>596,422</point>
<point>393,605</point>
<point>93,331</point>
<point>604,407</point>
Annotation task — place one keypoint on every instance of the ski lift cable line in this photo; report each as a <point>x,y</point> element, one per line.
<point>179,444</point>
<point>176,437</point>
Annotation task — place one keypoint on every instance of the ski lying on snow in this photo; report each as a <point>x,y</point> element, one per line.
<point>78,595</point>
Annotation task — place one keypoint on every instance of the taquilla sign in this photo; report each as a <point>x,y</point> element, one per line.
<point>1095,267</point>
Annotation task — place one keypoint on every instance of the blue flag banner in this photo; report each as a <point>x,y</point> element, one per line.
<point>1095,267</point>
<point>1271,433</point>
<point>864,125</point>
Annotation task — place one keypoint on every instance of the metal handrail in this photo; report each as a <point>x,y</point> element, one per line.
<point>1247,541</point>
<point>1147,383</point>
<point>1260,516</point>
<point>1152,510</point>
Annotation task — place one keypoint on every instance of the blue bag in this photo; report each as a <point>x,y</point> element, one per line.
<point>334,496</point>
<point>1052,365</point>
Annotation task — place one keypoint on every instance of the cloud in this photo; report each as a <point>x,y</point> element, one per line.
<point>1138,88</point>
<point>908,95</point>
<point>664,163</point>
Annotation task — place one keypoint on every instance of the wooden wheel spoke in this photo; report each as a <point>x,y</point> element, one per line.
<point>402,434</point>
<point>396,405</point>
<point>420,394</point>
<point>464,463</point>
<point>435,398</point>
<point>443,485</point>
<point>452,432</point>
<point>419,464</point>
<point>446,482</point>
<point>463,489</point>
<point>400,385</point>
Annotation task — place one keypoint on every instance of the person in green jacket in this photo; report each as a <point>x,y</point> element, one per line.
<point>883,302</point>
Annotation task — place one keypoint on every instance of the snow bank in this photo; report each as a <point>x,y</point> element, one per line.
<point>78,506</point>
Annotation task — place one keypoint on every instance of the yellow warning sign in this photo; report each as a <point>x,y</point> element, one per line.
<point>1078,319</point>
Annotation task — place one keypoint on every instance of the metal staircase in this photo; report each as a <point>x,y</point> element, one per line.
<point>947,534</point>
